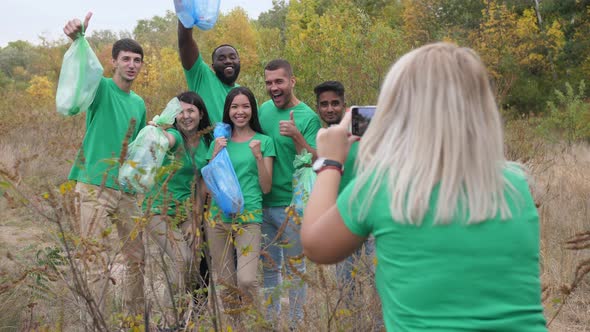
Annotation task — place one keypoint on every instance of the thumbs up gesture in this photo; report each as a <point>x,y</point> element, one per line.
<point>287,127</point>
<point>74,26</point>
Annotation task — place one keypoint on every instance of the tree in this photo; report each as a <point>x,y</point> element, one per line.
<point>496,41</point>
<point>100,38</point>
<point>161,78</point>
<point>569,119</point>
<point>41,90</point>
<point>275,17</point>
<point>233,28</point>
<point>17,54</point>
<point>426,21</point>
<point>159,31</point>
<point>344,43</point>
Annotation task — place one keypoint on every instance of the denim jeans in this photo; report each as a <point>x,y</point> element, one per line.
<point>361,259</point>
<point>284,248</point>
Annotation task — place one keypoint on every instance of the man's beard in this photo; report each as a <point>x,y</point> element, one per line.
<point>332,123</point>
<point>228,80</point>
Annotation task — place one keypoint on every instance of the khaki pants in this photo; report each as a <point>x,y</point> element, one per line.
<point>226,240</point>
<point>98,216</point>
<point>173,242</point>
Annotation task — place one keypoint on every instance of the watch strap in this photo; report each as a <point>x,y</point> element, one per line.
<point>339,169</point>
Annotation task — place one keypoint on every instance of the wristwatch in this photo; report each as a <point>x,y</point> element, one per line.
<point>322,164</point>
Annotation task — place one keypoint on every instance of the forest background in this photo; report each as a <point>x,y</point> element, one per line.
<point>537,53</point>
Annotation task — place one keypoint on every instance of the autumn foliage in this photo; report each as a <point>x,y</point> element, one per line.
<point>537,54</point>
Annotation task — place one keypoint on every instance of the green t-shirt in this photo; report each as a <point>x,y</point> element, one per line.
<point>202,80</point>
<point>246,170</point>
<point>177,196</point>
<point>308,123</point>
<point>454,277</point>
<point>107,121</point>
<point>349,171</point>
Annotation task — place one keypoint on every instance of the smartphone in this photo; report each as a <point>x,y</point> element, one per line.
<point>361,117</point>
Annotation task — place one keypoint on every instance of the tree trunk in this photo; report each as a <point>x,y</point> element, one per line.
<point>540,23</point>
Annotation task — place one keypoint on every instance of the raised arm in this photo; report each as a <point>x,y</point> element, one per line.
<point>74,26</point>
<point>288,128</point>
<point>264,165</point>
<point>170,137</point>
<point>324,236</point>
<point>187,47</point>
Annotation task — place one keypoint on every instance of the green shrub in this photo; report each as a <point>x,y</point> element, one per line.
<point>568,118</point>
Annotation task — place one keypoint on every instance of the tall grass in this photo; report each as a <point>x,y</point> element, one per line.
<point>38,291</point>
<point>561,189</point>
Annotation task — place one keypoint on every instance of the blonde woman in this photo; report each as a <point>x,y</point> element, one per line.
<point>456,229</point>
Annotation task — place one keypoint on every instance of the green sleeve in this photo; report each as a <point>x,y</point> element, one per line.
<point>98,95</point>
<point>194,76</point>
<point>268,148</point>
<point>210,153</point>
<point>201,155</point>
<point>350,211</point>
<point>143,121</point>
<point>349,171</point>
<point>177,138</point>
<point>311,130</point>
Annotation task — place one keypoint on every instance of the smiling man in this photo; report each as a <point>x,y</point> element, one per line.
<point>330,102</point>
<point>293,126</point>
<point>212,86</point>
<point>103,205</point>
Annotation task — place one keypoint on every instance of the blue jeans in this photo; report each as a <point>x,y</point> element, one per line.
<point>356,261</point>
<point>282,249</point>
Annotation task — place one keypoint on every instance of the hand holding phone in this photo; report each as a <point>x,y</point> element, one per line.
<point>361,118</point>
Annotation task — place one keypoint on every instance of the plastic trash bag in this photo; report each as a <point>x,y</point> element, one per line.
<point>303,180</point>
<point>221,179</point>
<point>146,153</point>
<point>79,78</point>
<point>202,13</point>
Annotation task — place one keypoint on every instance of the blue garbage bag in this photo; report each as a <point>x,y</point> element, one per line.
<point>220,177</point>
<point>202,13</point>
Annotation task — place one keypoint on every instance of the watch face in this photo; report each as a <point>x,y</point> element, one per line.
<point>317,165</point>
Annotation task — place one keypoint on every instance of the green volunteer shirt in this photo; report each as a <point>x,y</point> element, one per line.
<point>178,190</point>
<point>202,80</point>
<point>308,123</point>
<point>107,121</point>
<point>246,170</point>
<point>454,277</point>
<point>349,171</point>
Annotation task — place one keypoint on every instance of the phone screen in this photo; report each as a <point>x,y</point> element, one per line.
<point>361,117</point>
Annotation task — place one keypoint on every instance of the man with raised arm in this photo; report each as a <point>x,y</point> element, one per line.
<point>103,205</point>
<point>293,126</point>
<point>212,86</point>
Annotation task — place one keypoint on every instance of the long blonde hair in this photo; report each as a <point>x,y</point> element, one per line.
<point>436,123</point>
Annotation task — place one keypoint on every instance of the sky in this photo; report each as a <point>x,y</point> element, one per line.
<point>28,19</point>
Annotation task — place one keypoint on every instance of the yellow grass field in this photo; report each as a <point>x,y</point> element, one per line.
<point>36,149</point>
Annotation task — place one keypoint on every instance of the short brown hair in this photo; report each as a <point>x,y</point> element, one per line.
<point>278,64</point>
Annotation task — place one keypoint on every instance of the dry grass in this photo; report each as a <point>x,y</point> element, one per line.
<point>36,150</point>
<point>563,190</point>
